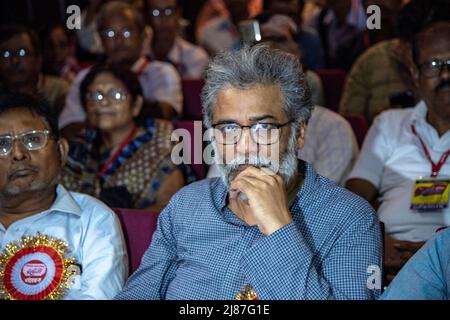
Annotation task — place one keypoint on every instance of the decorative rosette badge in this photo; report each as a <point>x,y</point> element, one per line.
<point>35,268</point>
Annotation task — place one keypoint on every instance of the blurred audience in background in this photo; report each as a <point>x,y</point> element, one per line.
<point>124,162</point>
<point>21,67</point>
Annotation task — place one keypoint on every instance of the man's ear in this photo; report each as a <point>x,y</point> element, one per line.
<point>301,136</point>
<point>63,149</point>
<point>137,106</point>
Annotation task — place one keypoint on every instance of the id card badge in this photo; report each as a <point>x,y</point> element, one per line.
<point>430,194</point>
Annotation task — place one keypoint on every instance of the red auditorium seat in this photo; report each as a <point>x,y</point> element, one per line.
<point>333,81</point>
<point>359,126</point>
<point>199,168</point>
<point>138,227</point>
<point>192,102</point>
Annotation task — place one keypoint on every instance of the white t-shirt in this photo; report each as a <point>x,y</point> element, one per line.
<point>191,60</point>
<point>392,158</point>
<point>160,82</point>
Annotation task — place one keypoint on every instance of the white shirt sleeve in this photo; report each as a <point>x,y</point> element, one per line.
<point>162,83</point>
<point>375,151</point>
<point>73,110</point>
<point>330,144</point>
<point>104,257</point>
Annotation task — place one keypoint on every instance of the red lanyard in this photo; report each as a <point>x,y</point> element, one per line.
<point>435,167</point>
<point>142,68</point>
<point>118,152</point>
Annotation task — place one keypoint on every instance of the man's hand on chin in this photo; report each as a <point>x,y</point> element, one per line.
<point>267,198</point>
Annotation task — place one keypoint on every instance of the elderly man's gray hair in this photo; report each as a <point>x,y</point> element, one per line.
<point>259,65</point>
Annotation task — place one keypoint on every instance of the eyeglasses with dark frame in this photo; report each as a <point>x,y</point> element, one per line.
<point>31,140</point>
<point>261,133</point>
<point>434,68</point>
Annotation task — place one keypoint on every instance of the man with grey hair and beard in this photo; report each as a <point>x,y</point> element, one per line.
<point>270,228</point>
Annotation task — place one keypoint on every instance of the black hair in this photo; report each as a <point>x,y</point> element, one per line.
<point>8,32</point>
<point>45,33</point>
<point>267,5</point>
<point>114,8</point>
<point>35,104</point>
<point>120,72</point>
<point>419,15</point>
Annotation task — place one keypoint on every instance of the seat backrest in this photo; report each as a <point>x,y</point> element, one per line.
<point>333,82</point>
<point>138,227</point>
<point>192,102</point>
<point>196,139</point>
<point>359,126</point>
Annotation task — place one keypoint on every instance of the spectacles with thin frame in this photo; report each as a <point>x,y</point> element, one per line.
<point>20,53</point>
<point>114,96</point>
<point>261,133</point>
<point>111,34</point>
<point>160,12</point>
<point>31,140</point>
<point>434,68</point>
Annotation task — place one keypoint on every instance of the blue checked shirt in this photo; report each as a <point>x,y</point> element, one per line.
<point>201,250</point>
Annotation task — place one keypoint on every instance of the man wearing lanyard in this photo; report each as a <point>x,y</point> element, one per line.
<point>404,161</point>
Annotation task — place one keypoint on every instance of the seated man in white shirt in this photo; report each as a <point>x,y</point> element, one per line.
<point>54,244</point>
<point>167,45</point>
<point>404,160</point>
<point>121,30</point>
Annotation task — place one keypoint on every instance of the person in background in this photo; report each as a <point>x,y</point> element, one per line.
<point>88,37</point>
<point>21,64</point>
<point>222,33</point>
<point>381,79</point>
<point>166,43</point>
<point>403,167</point>
<point>389,14</point>
<point>59,53</point>
<point>307,38</point>
<point>124,162</point>
<point>121,32</point>
<point>54,244</point>
<point>341,26</point>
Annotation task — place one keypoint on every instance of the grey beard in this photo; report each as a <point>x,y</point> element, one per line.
<point>287,169</point>
<point>34,187</point>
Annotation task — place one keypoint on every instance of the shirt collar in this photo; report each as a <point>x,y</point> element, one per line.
<point>139,64</point>
<point>175,53</point>
<point>64,202</point>
<point>419,113</point>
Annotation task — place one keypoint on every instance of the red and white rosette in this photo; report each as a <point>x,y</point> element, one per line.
<point>34,268</point>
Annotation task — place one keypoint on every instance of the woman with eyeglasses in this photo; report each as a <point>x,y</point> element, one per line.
<point>124,161</point>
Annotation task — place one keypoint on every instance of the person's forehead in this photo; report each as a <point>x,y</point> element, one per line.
<point>434,41</point>
<point>20,119</point>
<point>244,104</point>
<point>125,18</point>
<point>58,33</point>
<point>162,3</point>
<point>21,40</point>
<point>106,80</point>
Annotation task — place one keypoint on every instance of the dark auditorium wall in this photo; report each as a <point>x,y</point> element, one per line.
<point>36,13</point>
